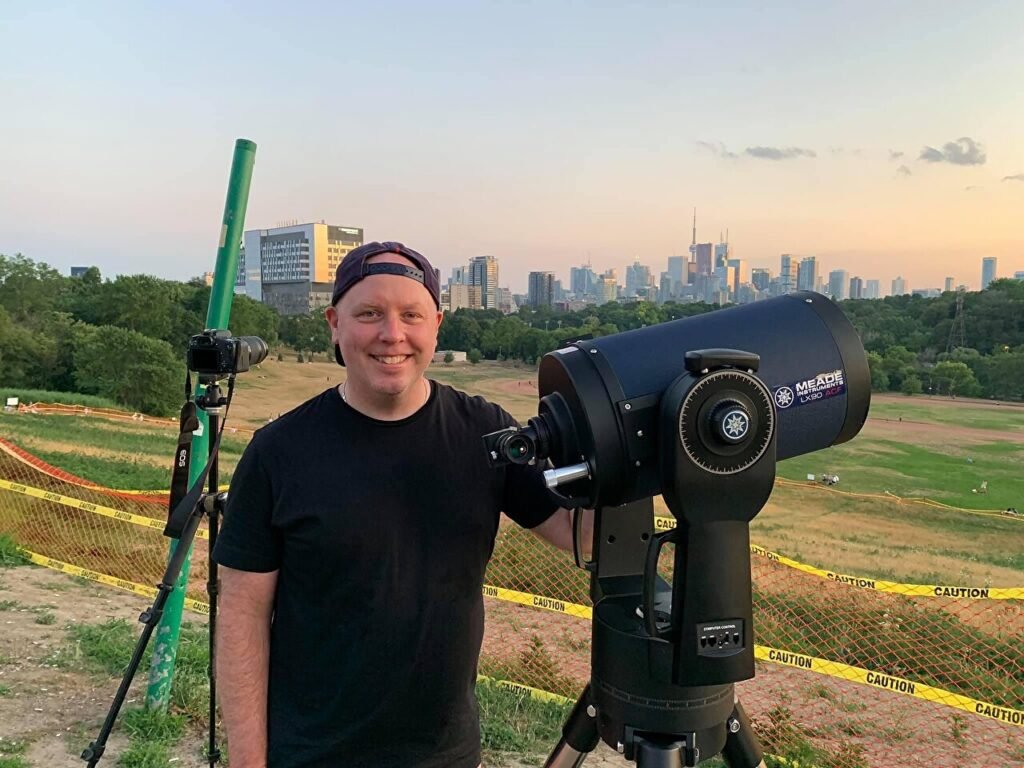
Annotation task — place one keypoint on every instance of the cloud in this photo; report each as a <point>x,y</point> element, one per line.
<point>779,153</point>
<point>894,155</point>
<point>717,149</point>
<point>972,188</point>
<point>1015,177</point>
<point>963,151</point>
<point>904,171</point>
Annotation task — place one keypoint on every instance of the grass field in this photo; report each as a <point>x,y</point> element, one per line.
<point>941,450</point>
<point>868,525</point>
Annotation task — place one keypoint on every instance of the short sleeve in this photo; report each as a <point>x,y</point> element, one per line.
<point>249,541</point>
<point>527,499</point>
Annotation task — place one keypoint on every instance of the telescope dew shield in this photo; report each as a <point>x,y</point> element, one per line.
<point>600,398</point>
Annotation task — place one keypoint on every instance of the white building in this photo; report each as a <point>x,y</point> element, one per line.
<point>292,268</point>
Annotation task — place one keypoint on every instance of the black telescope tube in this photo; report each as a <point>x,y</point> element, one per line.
<point>812,361</point>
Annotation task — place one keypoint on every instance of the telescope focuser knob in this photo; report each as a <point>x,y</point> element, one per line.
<point>704,360</point>
<point>730,422</point>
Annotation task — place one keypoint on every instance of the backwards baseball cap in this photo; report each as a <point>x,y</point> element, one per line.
<point>354,267</point>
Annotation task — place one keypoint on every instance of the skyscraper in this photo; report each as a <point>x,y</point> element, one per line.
<point>761,278</point>
<point>541,289</point>
<point>787,274</point>
<point>872,289</point>
<point>582,281</point>
<point>638,278</point>
<point>704,258</point>
<point>742,273</point>
<point>900,287</point>
<point>483,272</point>
<point>838,283</point>
<point>807,278</point>
<point>856,288</point>
<point>949,285</point>
<point>988,271</point>
<point>722,253</point>
<point>609,286</point>
<point>676,272</point>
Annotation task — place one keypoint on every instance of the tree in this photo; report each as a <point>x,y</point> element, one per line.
<point>955,378</point>
<point>142,373</point>
<point>474,356</point>
<point>879,378</point>
<point>911,385</point>
<point>449,358</point>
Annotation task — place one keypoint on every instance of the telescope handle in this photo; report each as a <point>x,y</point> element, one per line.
<point>650,581</point>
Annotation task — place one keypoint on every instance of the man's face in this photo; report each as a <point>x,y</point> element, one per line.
<point>386,326</point>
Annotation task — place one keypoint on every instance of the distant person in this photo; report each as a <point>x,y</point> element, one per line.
<point>355,541</point>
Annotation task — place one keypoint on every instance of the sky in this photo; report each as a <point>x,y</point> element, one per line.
<point>882,138</point>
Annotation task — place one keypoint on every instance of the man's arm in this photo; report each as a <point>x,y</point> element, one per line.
<point>243,661</point>
<point>557,529</point>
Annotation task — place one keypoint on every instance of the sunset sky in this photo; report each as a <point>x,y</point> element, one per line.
<point>883,138</point>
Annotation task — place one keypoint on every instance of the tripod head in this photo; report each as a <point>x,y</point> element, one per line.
<point>626,417</point>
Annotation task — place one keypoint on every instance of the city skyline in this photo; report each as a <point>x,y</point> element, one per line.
<point>545,136</point>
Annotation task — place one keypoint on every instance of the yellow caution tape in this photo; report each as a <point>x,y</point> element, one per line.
<point>538,601</point>
<point>913,590</point>
<point>764,653</point>
<point>890,683</point>
<point>533,693</point>
<point>111,581</point>
<point>85,506</point>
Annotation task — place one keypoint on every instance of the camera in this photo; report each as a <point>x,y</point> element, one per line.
<point>216,353</point>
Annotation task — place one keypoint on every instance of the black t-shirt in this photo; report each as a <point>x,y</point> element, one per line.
<point>381,532</point>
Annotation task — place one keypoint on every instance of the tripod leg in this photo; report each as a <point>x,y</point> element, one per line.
<point>579,735</point>
<point>742,749</point>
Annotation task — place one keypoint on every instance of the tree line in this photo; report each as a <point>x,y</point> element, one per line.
<point>125,338</point>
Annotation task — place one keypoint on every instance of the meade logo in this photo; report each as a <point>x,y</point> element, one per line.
<point>823,385</point>
<point>821,381</point>
<point>827,384</point>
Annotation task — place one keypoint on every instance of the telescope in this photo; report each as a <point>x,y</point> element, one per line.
<point>698,410</point>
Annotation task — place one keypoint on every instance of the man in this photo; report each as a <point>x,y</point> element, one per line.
<point>356,536</point>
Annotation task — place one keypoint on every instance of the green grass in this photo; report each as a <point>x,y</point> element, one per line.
<point>514,722</point>
<point>107,648</point>
<point>1000,418</point>
<point>5,690</point>
<point>16,761</point>
<point>27,396</point>
<point>9,554</point>
<point>941,473</point>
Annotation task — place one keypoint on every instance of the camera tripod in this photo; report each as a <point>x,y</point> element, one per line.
<point>183,523</point>
<point>665,657</point>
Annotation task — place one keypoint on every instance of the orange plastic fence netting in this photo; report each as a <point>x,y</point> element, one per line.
<point>110,413</point>
<point>859,671</point>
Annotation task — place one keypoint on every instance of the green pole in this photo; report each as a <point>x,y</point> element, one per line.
<point>165,648</point>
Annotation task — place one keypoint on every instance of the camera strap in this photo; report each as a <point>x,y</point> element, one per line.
<point>188,423</point>
<point>182,504</point>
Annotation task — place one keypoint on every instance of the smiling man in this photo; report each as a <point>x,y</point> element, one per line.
<point>356,536</point>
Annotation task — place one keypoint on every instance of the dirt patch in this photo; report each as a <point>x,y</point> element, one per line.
<point>56,711</point>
